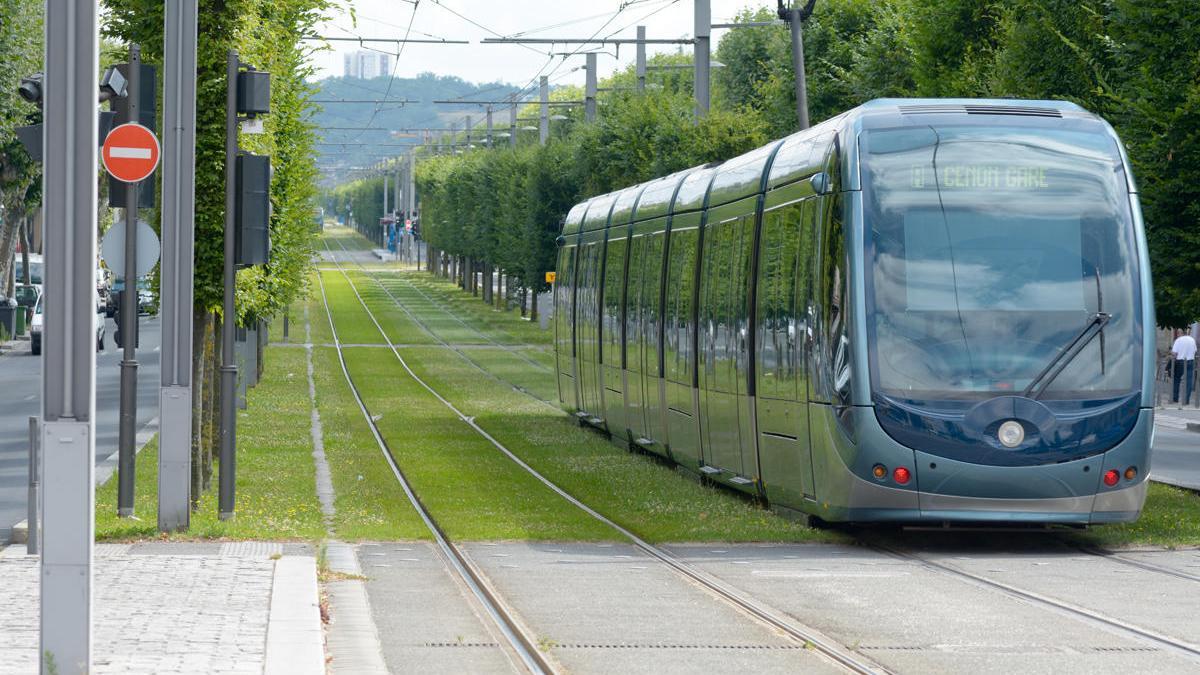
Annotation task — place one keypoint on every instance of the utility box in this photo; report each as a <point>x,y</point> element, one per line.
<point>253,92</point>
<point>252,209</point>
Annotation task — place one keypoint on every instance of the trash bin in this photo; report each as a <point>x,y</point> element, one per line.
<point>8,318</point>
<point>20,322</point>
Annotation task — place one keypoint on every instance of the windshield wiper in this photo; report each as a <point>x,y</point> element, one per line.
<point>1038,385</point>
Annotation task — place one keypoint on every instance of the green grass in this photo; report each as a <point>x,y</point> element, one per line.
<point>1170,518</point>
<point>369,504</point>
<point>276,479</point>
<point>506,327</point>
<point>354,325</point>
<point>473,491</point>
<point>636,491</point>
<point>348,237</point>
<point>400,328</point>
<point>318,320</point>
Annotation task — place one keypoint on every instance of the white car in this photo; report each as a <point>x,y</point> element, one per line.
<point>35,327</point>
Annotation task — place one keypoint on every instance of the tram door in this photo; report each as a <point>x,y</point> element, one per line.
<point>726,426</point>
<point>564,326</point>
<point>786,246</point>
<point>611,330</point>
<point>587,323</point>
<point>643,297</point>
<point>679,360</point>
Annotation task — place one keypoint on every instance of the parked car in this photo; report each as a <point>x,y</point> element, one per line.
<point>35,328</point>
<point>145,296</point>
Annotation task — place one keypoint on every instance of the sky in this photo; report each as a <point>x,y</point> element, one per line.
<point>474,20</point>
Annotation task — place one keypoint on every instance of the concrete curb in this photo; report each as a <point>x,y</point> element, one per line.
<point>295,644</point>
<point>353,642</point>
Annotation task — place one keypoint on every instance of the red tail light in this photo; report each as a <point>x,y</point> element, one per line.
<point>1111,477</point>
<point>901,475</point>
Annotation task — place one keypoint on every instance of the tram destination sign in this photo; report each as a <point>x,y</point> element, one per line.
<point>976,176</point>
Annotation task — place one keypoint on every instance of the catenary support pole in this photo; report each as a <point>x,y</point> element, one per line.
<point>589,88</point>
<point>229,369</point>
<point>512,125</point>
<point>126,428</point>
<point>72,61</point>
<point>176,267</point>
<point>489,126</point>
<point>703,31</point>
<point>467,125</point>
<point>796,21</point>
<point>544,113</point>
<point>641,59</point>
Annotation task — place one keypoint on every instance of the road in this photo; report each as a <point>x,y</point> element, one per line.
<point>1177,457</point>
<point>20,397</point>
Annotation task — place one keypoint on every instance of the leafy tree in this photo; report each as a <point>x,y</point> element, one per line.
<point>21,54</point>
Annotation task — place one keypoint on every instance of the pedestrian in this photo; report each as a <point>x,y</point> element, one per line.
<point>1184,351</point>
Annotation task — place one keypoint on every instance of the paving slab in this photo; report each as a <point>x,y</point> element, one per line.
<point>602,608</point>
<point>914,619</point>
<point>157,612</point>
<point>425,621</point>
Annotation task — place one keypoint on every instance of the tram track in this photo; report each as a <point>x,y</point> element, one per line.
<point>522,644</point>
<point>838,654</point>
<point>444,343</point>
<point>1099,619</point>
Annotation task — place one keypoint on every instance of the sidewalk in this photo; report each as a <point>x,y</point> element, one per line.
<point>1170,416</point>
<point>180,607</point>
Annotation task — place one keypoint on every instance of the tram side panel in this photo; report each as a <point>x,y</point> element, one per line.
<point>645,274</point>
<point>587,321</point>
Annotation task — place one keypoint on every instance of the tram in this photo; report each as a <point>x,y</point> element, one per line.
<point>921,310</point>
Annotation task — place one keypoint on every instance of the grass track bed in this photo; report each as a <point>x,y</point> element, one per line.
<point>276,478</point>
<point>354,325</point>
<point>473,491</point>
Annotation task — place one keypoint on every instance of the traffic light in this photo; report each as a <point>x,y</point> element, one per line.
<point>118,338</point>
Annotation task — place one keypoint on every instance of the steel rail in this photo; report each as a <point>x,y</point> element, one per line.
<point>827,647</point>
<point>446,310</point>
<point>1185,649</point>
<point>1147,566</point>
<point>522,644</point>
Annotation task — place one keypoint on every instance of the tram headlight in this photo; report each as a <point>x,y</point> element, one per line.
<point>1010,434</point>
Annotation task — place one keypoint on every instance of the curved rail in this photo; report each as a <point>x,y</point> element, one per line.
<point>829,648</point>
<point>521,643</point>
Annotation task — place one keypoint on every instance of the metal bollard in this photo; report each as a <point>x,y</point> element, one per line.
<point>31,545</point>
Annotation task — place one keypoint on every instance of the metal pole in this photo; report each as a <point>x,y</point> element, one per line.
<point>72,60</point>
<point>229,369</point>
<point>31,543</point>
<point>795,20</point>
<point>129,312</point>
<point>641,59</point>
<point>385,193</point>
<point>703,21</point>
<point>176,267</point>
<point>589,88</point>
<point>512,125</point>
<point>544,115</point>
<point>489,126</point>
<point>468,127</point>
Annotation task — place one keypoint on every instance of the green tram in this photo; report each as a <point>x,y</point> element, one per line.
<point>919,310</point>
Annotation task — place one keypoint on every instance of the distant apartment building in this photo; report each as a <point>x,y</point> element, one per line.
<point>366,64</point>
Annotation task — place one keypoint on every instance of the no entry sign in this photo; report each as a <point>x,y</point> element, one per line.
<point>130,152</point>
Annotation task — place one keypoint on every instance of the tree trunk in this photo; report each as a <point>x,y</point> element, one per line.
<point>199,331</point>
<point>487,283</point>
<point>8,244</point>
<point>523,301</point>
<point>212,401</point>
<point>26,238</point>
<point>533,310</point>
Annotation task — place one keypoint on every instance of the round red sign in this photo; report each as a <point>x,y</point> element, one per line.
<point>130,152</point>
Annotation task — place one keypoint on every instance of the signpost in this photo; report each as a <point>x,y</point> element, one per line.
<point>130,154</point>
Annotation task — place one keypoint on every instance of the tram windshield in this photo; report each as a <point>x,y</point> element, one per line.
<point>989,249</point>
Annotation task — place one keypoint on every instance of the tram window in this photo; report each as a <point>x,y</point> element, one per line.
<point>614,272</point>
<point>833,297</point>
<point>777,305</point>
<point>562,289</point>
<point>680,285</point>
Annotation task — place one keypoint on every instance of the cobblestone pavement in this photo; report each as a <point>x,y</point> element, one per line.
<point>157,608</point>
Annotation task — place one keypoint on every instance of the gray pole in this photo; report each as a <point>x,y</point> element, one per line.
<point>176,267</point>
<point>795,20</point>
<point>467,124</point>
<point>229,369</point>
<point>489,126</point>
<point>385,193</point>
<point>31,519</point>
<point>129,311</point>
<point>544,115</point>
<point>72,60</point>
<point>641,59</point>
<point>703,20</point>
<point>512,124</point>
<point>589,88</point>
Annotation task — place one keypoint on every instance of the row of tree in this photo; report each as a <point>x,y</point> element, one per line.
<point>1134,62</point>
